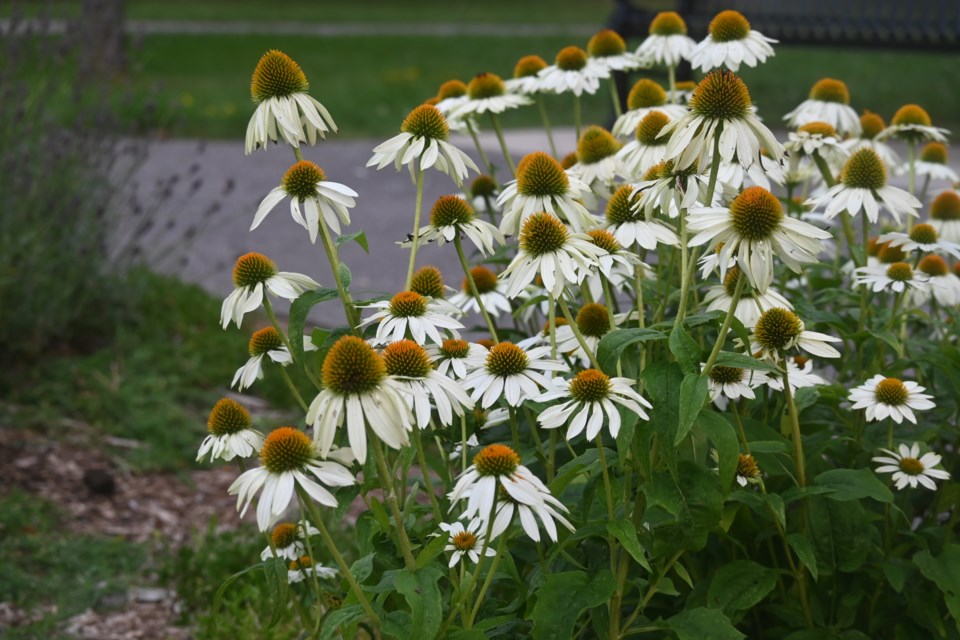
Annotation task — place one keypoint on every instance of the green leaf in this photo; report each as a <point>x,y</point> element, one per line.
<point>944,571</point>
<point>743,361</point>
<point>338,618</point>
<point>841,533</point>
<point>685,349</point>
<point>422,592</point>
<point>362,568</point>
<point>626,534</point>
<point>703,624</point>
<point>802,546</point>
<point>663,385</point>
<point>346,277</point>
<point>888,337</point>
<point>614,343</point>
<point>724,439</point>
<point>693,393</point>
<point>218,596</point>
<point>853,484</point>
<point>275,572</point>
<point>299,309</point>
<point>360,237</point>
<point>739,585</point>
<point>563,597</point>
<point>431,550</point>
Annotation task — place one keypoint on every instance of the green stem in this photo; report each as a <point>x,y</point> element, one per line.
<point>672,77</point>
<point>268,307</point>
<point>684,287</point>
<point>473,287</point>
<point>911,176</point>
<point>541,103</point>
<point>463,437</point>
<point>387,478</point>
<point>607,487</point>
<point>338,559</point>
<point>795,430</point>
<point>425,472</point>
<point>349,308</point>
<point>552,321</point>
<point>725,327</point>
<point>576,332</point>
<point>615,96</point>
<point>652,589</point>
<point>714,164</point>
<point>476,142</point>
<point>416,229</point>
<point>501,549</point>
<point>293,389</point>
<point>503,143</point>
<point>576,115</point>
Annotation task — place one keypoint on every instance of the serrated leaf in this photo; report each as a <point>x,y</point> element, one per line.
<point>703,624</point>
<point>685,349</point>
<point>626,534</point>
<point>299,310</point>
<point>802,546</point>
<point>724,439</point>
<point>693,394</point>
<point>743,361</point>
<point>577,592</point>
<point>853,484</point>
<point>739,585</point>
<point>360,237</point>
<point>614,343</point>
<point>422,592</point>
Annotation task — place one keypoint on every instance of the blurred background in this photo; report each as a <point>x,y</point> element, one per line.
<point>126,197</point>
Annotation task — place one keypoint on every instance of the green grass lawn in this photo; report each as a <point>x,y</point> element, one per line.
<point>370,83</point>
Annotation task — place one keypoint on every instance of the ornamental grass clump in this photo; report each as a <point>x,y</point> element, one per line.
<point>671,395</point>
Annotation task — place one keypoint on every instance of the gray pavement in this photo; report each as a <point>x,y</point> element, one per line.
<point>384,210</point>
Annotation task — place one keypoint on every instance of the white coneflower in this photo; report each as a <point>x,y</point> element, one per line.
<point>452,357</point>
<point>268,343</point>
<point>668,43</point>
<point>644,98</point>
<point>731,42</point>
<point>863,188</point>
<point>615,263</point>
<point>410,367</point>
<point>720,100</point>
<point>593,322</point>
<point>574,72</point>
<point>231,433</point>
<point>750,306</point>
<point>754,229</point>
<point>452,215</point>
<point>304,567</point>
<point>871,126</point>
<point>548,249</point>
<point>932,164</point>
<point>943,285</point>
<point>488,286</point>
<point>923,237</point>
<point>450,95</point>
<point>626,220</point>
<point>897,277</point>
<point>286,540</point>
<point>466,541</point>
<point>730,383</point>
<point>763,173</point>
<point>508,371</point>
<point>284,108</point>
<point>609,48</point>
<point>800,372</point>
<point>819,137</point>
<point>829,102</point>
<point>547,510</point>
<point>311,195</point>
<point>290,459</point>
<point>597,164</point>
<point>589,401</point>
<point>543,185</point>
<point>487,93</point>
<point>910,469</point>
<point>255,275</point>
<point>423,139</point>
<point>779,330</point>
<point>497,467</point>
<point>357,390</point>
<point>912,123</point>
<point>526,78</point>
<point>409,311</point>
<point>884,397</point>
<point>646,149</point>
<point>666,189</point>
<point>945,215</point>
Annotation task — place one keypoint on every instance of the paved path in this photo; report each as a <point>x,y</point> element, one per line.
<point>384,209</point>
